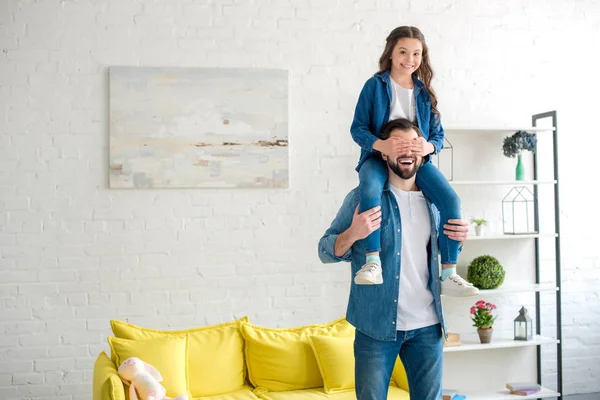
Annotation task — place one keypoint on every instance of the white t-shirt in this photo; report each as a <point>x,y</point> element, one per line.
<point>416,308</point>
<point>403,103</point>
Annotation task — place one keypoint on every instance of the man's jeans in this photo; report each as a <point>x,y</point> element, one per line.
<point>421,353</point>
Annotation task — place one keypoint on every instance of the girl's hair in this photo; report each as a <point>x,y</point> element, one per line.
<point>424,73</point>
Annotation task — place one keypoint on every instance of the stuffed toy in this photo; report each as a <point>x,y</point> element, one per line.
<point>143,380</point>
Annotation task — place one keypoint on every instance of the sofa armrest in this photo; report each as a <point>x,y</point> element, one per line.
<point>107,384</point>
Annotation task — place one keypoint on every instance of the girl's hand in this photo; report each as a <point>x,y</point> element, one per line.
<point>421,147</point>
<point>390,146</point>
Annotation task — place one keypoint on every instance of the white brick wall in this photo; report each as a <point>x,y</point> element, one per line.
<point>74,254</point>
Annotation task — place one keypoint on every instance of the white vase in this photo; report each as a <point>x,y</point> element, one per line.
<point>479,230</point>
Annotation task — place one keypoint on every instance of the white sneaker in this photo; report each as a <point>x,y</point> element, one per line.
<point>456,286</point>
<point>369,274</point>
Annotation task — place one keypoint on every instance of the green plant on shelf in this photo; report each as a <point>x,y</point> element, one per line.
<point>485,272</point>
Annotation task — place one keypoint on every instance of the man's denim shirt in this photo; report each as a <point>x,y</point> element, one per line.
<point>373,309</point>
<point>373,110</point>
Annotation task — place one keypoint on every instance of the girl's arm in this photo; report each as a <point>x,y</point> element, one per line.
<point>363,114</point>
<point>436,133</point>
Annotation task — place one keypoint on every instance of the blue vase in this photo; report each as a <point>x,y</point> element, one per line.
<point>520,171</point>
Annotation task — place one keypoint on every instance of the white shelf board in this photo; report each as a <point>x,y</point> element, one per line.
<point>505,130</point>
<point>471,343</point>
<point>533,287</point>
<point>521,236</point>
<point>502,183</point>
<point>505,395</point>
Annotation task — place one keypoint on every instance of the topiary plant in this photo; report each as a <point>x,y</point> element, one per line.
<point>485,272</point>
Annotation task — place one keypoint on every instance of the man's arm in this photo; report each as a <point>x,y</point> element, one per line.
<point>346,229</point>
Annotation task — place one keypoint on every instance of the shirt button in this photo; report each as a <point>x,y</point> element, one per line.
<point>398,230</point>
<point>398,254</point>
<point>397,277</point>
<point>393,322</point>
<point>395,301</point>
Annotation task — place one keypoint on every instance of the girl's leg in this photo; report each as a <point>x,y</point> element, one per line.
<point>436,188</point>
<point>372,176</point>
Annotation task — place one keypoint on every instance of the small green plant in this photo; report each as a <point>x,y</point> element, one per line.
<point>479,222</point>
<point>485,272</point>
<point>481,315</point>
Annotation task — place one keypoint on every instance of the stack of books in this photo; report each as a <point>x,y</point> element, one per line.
<point>451,394</point>
<point>453,340</point>
<point>523,388</point>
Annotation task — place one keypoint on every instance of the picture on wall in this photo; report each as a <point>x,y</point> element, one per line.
<point>198,128</point>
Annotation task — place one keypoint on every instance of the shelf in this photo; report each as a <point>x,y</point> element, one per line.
<point>471,343</point>
<point>534,287</point>
<point>506,237</point>
<point>505,395</point>
<point>502,183</point>
<point>492,131</point>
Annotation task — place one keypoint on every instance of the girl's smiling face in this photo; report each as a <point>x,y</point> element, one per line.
<point>406,56</point>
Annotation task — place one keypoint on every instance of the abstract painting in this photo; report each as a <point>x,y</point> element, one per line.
<point>198,128</point>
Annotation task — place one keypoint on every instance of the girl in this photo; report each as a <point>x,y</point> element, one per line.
<point>402,89</point>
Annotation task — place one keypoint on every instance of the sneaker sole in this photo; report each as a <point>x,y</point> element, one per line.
<point>361,281</point>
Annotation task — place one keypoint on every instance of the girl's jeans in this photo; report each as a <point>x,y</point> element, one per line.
<point>373,175</point>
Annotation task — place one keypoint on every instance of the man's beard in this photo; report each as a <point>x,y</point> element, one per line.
<point>403,173</point>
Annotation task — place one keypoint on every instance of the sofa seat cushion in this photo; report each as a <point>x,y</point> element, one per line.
<point>281,359</point>
<point>215,354</point>
<point>319,394</point>
<point>244,393</point>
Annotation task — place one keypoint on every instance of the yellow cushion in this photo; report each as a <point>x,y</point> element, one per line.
<point>399,375</point>
<point>281,359</point>
<point>166,354</point>
<point>319,394</point>
<point>107,384</point>
<point>335,357</point>
<point>215,355</point>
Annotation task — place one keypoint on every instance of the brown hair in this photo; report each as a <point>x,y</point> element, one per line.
<point>424,73</point>
<point>399,123</point>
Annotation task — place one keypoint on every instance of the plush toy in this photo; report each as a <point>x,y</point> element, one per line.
<point>143,380</point>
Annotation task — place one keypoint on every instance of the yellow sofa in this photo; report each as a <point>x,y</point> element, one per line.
<point>241,361</point>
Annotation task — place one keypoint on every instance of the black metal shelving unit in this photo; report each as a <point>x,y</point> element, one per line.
<point>559,378</point>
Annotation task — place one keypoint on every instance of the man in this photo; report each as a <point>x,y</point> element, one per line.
<point>403,316</point>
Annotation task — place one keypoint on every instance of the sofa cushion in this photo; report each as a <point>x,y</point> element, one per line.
<point>215,355</point>
<point>335,358</point>
<point>319,394</point>
<point>281,359</point>
<point>244,393</point>
<point>106,385</point>
<point>166,354</point>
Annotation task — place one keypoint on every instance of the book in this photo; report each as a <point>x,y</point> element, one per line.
<point>453,340</point>
<point>525,392</point>
<point>522,386</point>
<point>459,397</point>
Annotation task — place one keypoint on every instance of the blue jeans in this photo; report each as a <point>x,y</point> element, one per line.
<point>421,352</point>
<point>372,177</point>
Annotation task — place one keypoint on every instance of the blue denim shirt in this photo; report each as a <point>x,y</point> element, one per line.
<point>373,110</point>
<point>373,309</point>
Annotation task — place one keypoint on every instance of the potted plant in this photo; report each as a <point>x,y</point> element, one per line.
<point>480,225</point>
<point>483,320</point>
<point>514,146</point>
<point>485,272</point>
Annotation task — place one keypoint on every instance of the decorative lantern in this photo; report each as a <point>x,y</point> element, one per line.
<point>518,212</point>
<point>523,326</point>
<point>444,160</point>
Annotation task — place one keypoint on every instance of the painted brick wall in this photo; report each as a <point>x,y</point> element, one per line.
<point>74,254</point>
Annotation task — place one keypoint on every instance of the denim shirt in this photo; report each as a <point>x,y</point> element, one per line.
<point>373,111</point>
<point>373,309</point>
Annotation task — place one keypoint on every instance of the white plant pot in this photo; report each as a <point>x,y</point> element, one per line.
<point>479,230</point>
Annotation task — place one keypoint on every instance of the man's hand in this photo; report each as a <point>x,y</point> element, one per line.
<point>362,225</point>
<point>365,223</point>
<point>421,147</point>
<point>457,229</point>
